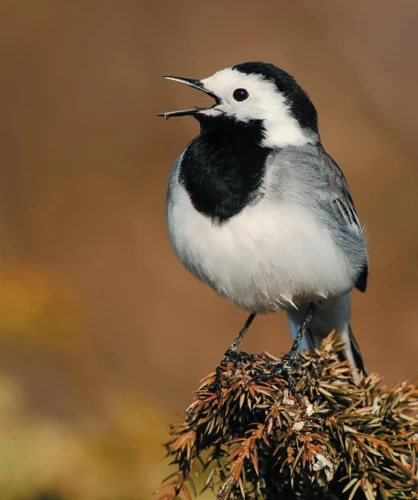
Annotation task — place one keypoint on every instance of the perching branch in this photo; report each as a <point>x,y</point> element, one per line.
<point>348,440</point>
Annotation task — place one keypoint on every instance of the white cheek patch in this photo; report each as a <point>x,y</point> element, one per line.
<point>265,103</point>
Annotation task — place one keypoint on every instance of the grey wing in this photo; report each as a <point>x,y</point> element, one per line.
<point>344,209</point>
<point>310,176</point>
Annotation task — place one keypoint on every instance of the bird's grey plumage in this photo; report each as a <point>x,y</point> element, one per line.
<point>310,176</point>
<point>306,189</point>
<point>297,240</point>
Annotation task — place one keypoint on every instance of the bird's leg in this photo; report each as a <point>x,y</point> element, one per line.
<point>292,354</point>
<point>231,354</point>
<point>285,365</point>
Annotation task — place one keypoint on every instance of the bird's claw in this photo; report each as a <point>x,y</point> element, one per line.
<point>230,356</point>
<point>284,366</point>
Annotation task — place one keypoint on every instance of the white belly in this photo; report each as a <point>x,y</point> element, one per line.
<point>266,258</point>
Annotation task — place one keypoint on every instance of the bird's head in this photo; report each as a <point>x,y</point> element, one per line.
<point>256,93</point>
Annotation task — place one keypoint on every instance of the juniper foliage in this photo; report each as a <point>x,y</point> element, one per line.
<point>347,440</point>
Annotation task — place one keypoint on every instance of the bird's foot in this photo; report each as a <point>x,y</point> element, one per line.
<point>234,356</point>
<point>282,367</point>
<point>231,356</point>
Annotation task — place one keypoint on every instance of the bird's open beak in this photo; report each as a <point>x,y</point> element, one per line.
<point>196,84</point>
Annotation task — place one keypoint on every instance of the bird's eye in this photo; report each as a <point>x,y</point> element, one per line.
<point>240,94</point>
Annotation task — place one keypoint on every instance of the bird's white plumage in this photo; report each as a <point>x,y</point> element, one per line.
<point>264,103</point>
<point>270,256</point>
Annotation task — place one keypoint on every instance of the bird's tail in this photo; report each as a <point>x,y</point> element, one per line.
<point>332,314</point>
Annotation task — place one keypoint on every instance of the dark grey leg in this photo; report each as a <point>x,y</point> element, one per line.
<point>285,365</point>
<point>231,352</point>
<point>231,355</point>
<point>313,306</point>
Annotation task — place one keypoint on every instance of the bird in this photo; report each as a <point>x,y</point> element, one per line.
<point>260,212</point>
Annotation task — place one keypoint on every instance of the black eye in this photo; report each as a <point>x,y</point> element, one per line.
<point>240,94</point>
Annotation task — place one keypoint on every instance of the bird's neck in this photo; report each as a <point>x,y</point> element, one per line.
<point>223,168</point>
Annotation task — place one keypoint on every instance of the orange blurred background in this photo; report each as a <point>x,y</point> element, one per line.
<point>103,334</point>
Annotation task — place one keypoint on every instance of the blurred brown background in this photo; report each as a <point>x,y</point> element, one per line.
<point>97,317</point>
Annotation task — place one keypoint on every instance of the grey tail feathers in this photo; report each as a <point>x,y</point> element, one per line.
<point>332,314</point>
<point>358,359</point>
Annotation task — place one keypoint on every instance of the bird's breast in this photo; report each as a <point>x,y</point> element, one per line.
<point>269,256</point>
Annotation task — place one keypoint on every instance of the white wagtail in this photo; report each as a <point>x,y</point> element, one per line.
<point>259,211</point>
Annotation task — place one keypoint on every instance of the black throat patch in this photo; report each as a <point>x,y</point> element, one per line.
<point>222,168</point>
